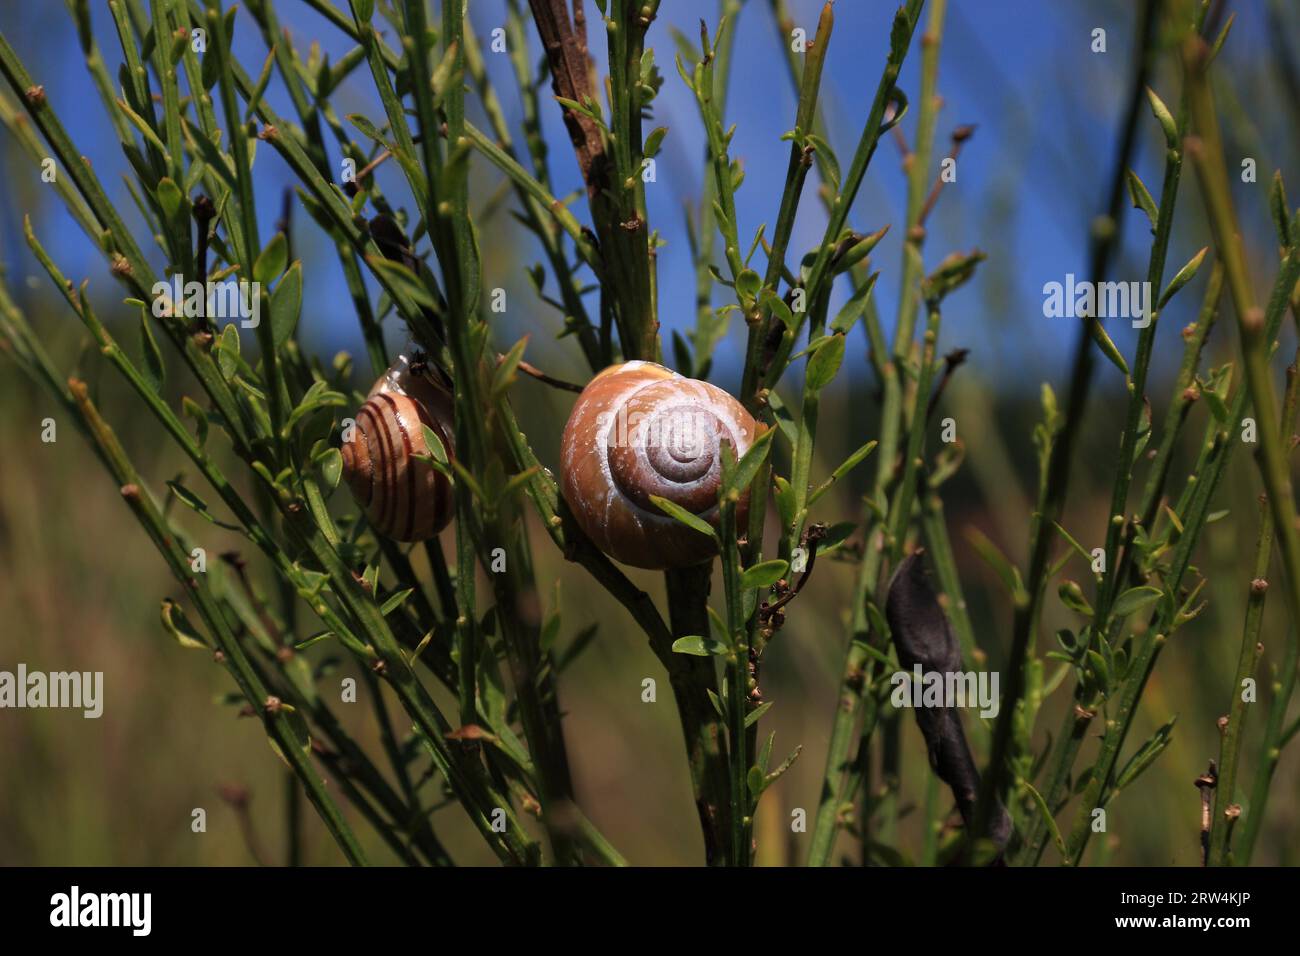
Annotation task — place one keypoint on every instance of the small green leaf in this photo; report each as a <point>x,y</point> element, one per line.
<point>785,765</point>
<point>435,445</point>
<point>784,420</point>
<point>1279,210</point>
<point>187,497</point>
<point>316,398</point>
<point>951,274</point>
<point>845,467</point>
<point>747,467</point>
<point>1048,819</point>
<point>765,752</point>
<point>368,129</point>
<point>1069,538</point>
<point>395,601</point>
<point>1218,407</point>
<point>1184,276</point>
<point>403,280</point>
<point>228,351</point>
<point>314,639</point>
<point>155,371</point>
<point>680,514</point>
<point>504,375</point>
<point>1141,199</point>
<point>197,505</point>
<point>271,263</point>
<point>836,535</point>
<point>1108,347</point>
<point>174,207</point>
<point>699,646</point>
<point>757,713</point>
<point>825,363</point>
<point>860,250</point>
<point>1145,755</point>
<point>682,355</point>
<point>785,503</point>
<point>717,703</point>
<point>1100,670</point>
<point>1072,597</point>
<point>193,410</point>
<point>517,482</point>
<point>995,559</point>
<point>1165,118</point>
<point>331,467</point>
<point>1134,600</point>
<point>848,316</point>
<point>776,305</point>
<point>764,574</point>
<point>654,141</point>
<point>179,627</point>
<point>286,305</point>
<point>748,282</point>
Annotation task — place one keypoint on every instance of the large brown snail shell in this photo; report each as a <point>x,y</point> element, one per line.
<point>404,498</point>
<point>639,429</point>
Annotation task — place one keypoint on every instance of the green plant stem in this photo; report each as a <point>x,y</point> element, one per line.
<point>1230,740</point>
<point>628,231</point>
<point>1025,618</point>
<point>1283,687</point>
<point>457,252</point>
<point>692,679</point>
<point>1257,344</point>
<point>1216,451</point>
<point>737,688</point>
<point>1181,404</point>
<point>1137,382</point>
<point>276,720</point>
<point>900,42</point>
<point>935,529</point>
<point>801,158</point>
<point>702,730</point>
<point>309,117</point>
<point>277,396</point>
<point>710,327</point>
<point>1077,720</point>
<point>537,216</point>
<point>856,680</point>
<point>132,267</point>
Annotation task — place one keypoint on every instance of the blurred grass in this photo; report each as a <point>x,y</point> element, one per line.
<point>81,587</point>
<point>80,584</point>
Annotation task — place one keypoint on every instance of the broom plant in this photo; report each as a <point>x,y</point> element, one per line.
<point>456,637</point>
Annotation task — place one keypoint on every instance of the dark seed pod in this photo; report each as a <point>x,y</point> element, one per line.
<point>405,498</point>
<point>922,635</point>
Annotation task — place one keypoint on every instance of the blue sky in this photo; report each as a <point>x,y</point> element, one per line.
<point>1046,109</point>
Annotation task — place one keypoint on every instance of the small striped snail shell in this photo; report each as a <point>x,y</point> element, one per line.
<point>639,429</point>
<point>404,498</point>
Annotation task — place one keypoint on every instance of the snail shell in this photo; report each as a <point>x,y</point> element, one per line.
<point>639,429</point>
<point>404,498</point>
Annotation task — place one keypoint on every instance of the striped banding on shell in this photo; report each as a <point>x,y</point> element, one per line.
<point>640,430</point>
<point>404,498</point>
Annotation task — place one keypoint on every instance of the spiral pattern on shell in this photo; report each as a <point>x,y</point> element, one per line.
<point>404,498</point>
<point>640,430</point>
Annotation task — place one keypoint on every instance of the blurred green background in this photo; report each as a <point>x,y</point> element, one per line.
<point>80,585</point>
